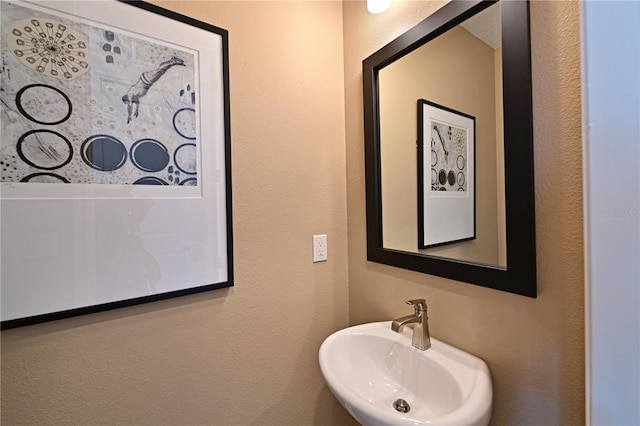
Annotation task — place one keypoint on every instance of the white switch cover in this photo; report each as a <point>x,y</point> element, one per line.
<point>320,248</point>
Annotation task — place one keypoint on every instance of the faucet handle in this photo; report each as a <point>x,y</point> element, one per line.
<point>419,304</point>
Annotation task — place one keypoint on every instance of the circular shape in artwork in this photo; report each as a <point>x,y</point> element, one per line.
<point>434,158</point>
<point>44,178</point>
<point>184,121</point>
<point>189,182</point>
<point>149,155</point>
<point>442,188</point>
<point>451,177</point>
<point>442,177</point>
<point>459,139</point>
<point>186,159</point>
<point>44,149</point>
<point>43,104</point>
<point>150,180</point>
<point>461,178</point>
<point>103,152</point>
<point>49,48</point>
<point>434,177</point>
<point>460,162</point>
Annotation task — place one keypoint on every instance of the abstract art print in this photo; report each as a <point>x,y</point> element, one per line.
<point>89,104</point>
<point>115,134</point>
<point>446,180</point>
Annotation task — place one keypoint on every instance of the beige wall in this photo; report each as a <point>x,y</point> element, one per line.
<point>248,354</point>
<point>534,347</point>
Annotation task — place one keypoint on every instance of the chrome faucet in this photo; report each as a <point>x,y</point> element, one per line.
<point>421,338</point>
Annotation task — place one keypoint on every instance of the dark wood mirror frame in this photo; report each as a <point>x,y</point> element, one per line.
<point>519,276</point>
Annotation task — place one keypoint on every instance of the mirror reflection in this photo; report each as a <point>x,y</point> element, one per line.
<point>457,74</point>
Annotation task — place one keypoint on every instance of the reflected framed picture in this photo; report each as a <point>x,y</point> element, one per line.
<point>446,175</point>
<point>115,169</point>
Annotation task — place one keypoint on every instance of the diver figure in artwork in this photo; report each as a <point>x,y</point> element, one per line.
<point>144,83</point>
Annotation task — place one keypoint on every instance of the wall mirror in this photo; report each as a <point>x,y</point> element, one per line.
<point>449,147</point>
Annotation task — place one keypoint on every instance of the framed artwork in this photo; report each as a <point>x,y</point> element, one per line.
<point>446,175</point>
<point>115,177</point>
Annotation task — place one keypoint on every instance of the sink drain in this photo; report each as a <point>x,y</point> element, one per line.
<point>401,405</point>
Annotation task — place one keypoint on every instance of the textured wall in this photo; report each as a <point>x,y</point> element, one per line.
<point>248,354</point>
<point>534,347</point>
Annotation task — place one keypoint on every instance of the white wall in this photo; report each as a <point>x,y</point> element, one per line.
<point>611,81</point>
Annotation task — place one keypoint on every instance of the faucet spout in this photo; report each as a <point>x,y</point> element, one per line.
<point>421,338</point>
<point>397,324</point>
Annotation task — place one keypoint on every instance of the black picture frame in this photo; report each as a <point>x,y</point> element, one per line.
<point>207,240</point>
<point>452,183</point>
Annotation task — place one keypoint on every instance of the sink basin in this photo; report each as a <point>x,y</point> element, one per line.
<point>369,367</point>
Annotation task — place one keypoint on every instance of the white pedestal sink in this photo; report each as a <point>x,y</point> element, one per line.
<point>369,367</point>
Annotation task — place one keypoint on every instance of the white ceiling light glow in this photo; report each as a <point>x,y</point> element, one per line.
<point>378,6</point>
